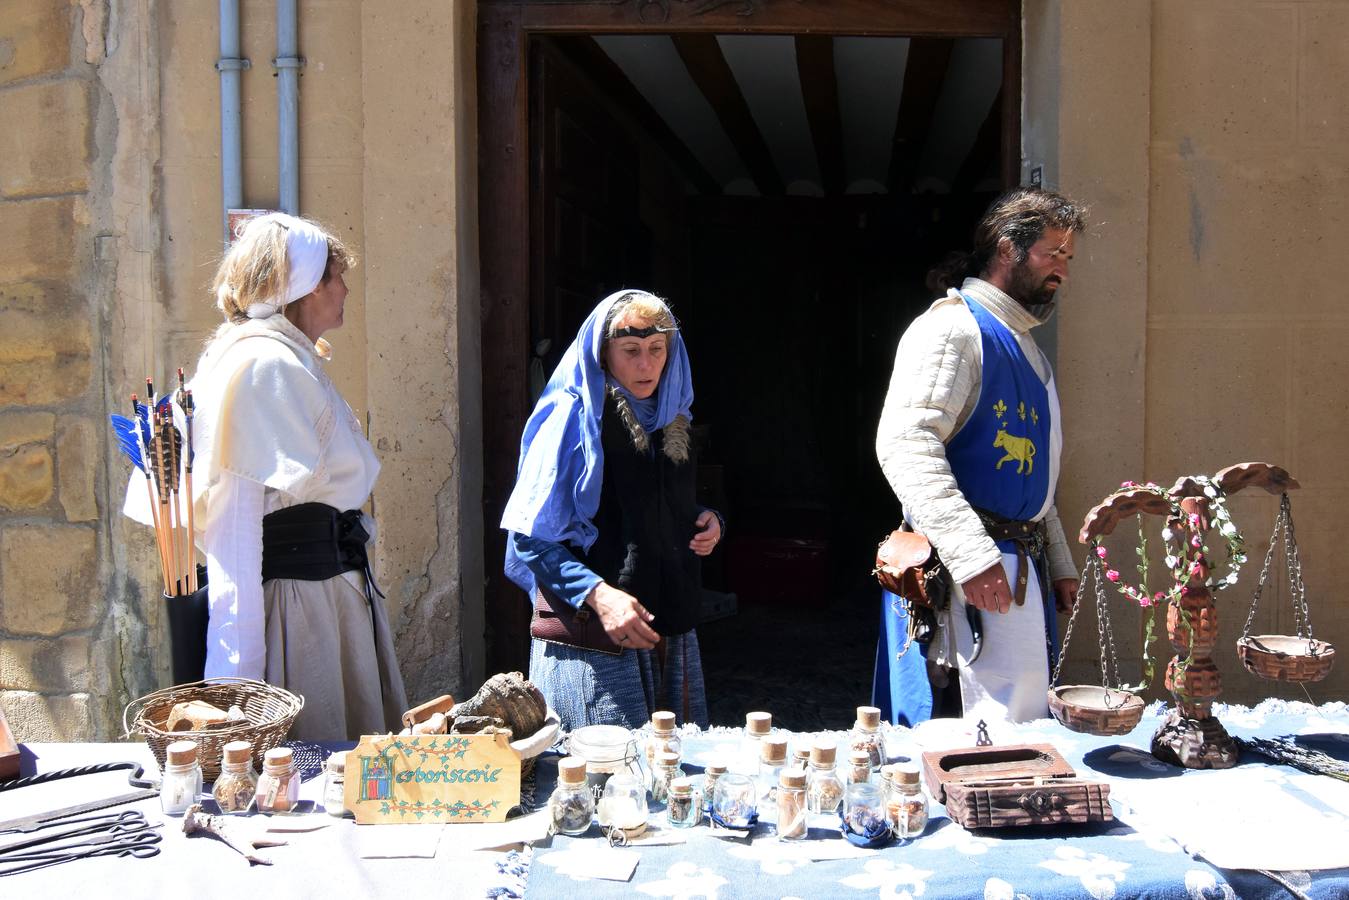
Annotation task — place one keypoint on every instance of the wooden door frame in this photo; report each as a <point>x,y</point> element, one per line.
<point>504,30</point>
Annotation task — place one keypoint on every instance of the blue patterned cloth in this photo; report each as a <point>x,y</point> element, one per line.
<point>1111,861</point>
<point>587,687</point>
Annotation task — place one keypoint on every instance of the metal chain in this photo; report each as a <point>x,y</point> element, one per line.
<point>1088,569</point>
<point>1107,637</point>
<point>1264,570</point>
<point>1301,615</point>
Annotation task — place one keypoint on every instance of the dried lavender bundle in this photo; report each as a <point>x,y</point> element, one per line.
<point>1287,751</point>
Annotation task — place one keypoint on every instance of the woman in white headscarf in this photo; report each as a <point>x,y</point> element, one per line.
<point>283,468</point>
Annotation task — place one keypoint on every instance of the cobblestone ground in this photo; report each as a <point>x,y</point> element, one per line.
<point>811,667</point>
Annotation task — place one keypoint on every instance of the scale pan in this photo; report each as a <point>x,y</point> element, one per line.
<point>1283,657</point>
<point>1093,709</point>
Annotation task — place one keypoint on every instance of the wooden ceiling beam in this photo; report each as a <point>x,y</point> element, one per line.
<point>707,65</point>
<point>983,156</point>
<point>609,77</point>
<point>819,89</point>
<point>924,74</point>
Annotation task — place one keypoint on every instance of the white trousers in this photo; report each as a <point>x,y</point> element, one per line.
<point>1010,679</point>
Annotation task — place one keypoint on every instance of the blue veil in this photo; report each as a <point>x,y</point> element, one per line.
<point>561,468</point>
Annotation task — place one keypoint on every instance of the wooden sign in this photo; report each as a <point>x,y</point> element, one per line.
<point>432,778</point>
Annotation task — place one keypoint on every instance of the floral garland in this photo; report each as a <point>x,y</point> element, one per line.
<point>1179,560</point>
<point>1184,563</point>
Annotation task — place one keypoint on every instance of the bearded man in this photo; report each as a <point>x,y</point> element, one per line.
<point>970,440</point>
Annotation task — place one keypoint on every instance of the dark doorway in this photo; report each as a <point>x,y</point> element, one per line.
<point>792,248</point>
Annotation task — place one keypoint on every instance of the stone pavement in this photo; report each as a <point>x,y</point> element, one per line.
<point>811,667</point>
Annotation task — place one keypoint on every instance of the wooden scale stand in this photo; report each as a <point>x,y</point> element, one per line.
<point>1191,736</point>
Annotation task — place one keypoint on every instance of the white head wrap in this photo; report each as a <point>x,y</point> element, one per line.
<point>306,257</point>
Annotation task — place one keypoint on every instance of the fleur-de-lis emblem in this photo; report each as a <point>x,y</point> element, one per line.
<point>1000,409</point>
<point>1034,416</point>
<point>1021,410</point>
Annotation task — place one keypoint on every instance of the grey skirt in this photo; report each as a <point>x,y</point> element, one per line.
<point>587,687</point>
<point>323,644</point>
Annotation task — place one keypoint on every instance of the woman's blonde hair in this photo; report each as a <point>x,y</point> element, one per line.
<point>256,269</point>
<point>647,308</point>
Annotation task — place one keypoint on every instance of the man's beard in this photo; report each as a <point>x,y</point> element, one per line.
<point>1039,298</point>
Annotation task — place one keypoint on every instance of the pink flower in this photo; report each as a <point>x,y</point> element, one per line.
<point>1144,601</point>
<point>1127,484</point>
<point>1184,591</point>
<point>1194,520</point>
<point>1158,597</point>
<point>1196,542</point>
<point>1100,551</point>
<point>1112,574</point>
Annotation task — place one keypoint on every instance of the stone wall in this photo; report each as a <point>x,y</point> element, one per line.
<point>111,222</point>
<point>54,636</point>
<point>1203,325</point>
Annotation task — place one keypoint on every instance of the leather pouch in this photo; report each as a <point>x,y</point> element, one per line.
<point>555,621</point>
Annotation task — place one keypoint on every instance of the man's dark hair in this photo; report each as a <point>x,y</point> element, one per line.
<point>1021,215</point>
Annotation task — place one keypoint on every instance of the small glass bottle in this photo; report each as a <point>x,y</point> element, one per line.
<point>667,770</point>
<point>866,735</point>
<point>859,767</point>
<point>758,725</point>
<point>791,800</point>
<point>907,806</point>
<point>335,785</point>
<point>712,773</point>
<point>234,789</point>
<point>735,799</point>
<point>662,739</point>
<point>623,804</point>
<point>801,757</point>
<point>886,782</point>
<point>572,804</point>
<point>279,785</point>
<point>864,810</point>
<point>824,791</point>
<point>182,778</point>
<point>683,810</point>
<point>772,761</point>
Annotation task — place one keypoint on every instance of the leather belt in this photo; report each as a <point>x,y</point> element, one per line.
<point>1030,541</point>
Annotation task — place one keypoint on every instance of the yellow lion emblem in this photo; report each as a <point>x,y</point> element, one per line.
<point>1021,449</point>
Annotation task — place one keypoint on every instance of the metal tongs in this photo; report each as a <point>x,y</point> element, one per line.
<point>112,834</point>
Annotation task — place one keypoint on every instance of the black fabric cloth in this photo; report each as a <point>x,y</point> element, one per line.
<point>646,519</point>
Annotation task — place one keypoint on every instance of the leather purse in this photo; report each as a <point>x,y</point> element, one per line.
<point>907,565</point>
<point>557,622</point>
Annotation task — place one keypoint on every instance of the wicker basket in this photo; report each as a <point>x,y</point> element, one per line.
<point>269,711</point>
<point>1281,657</point>
<point>1092,709</point>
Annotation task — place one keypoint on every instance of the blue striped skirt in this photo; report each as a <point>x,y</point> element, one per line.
<point>587,687</point>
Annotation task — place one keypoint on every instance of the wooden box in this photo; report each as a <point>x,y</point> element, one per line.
<point>1024,784</point>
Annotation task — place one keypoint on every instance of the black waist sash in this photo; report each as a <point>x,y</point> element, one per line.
<point>314,542</point>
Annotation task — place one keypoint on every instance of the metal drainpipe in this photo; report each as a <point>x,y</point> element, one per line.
<point>230,66</point>
<point>288,62</point>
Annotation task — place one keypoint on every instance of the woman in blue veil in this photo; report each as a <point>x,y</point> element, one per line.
<point>605,535</point>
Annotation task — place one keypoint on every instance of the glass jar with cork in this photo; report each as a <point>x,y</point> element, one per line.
<point>278,789</point>
<point>824,790</point>
<point>907,806</point>
<point>866,735</point>
<point>791,803</point>
<point>572,804</point>
<point>182,778</point>
<point>667,770</point>
<point>234,789</point>
<point>758,725</point>
<point>663,738</point>
<point>682,809</point>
